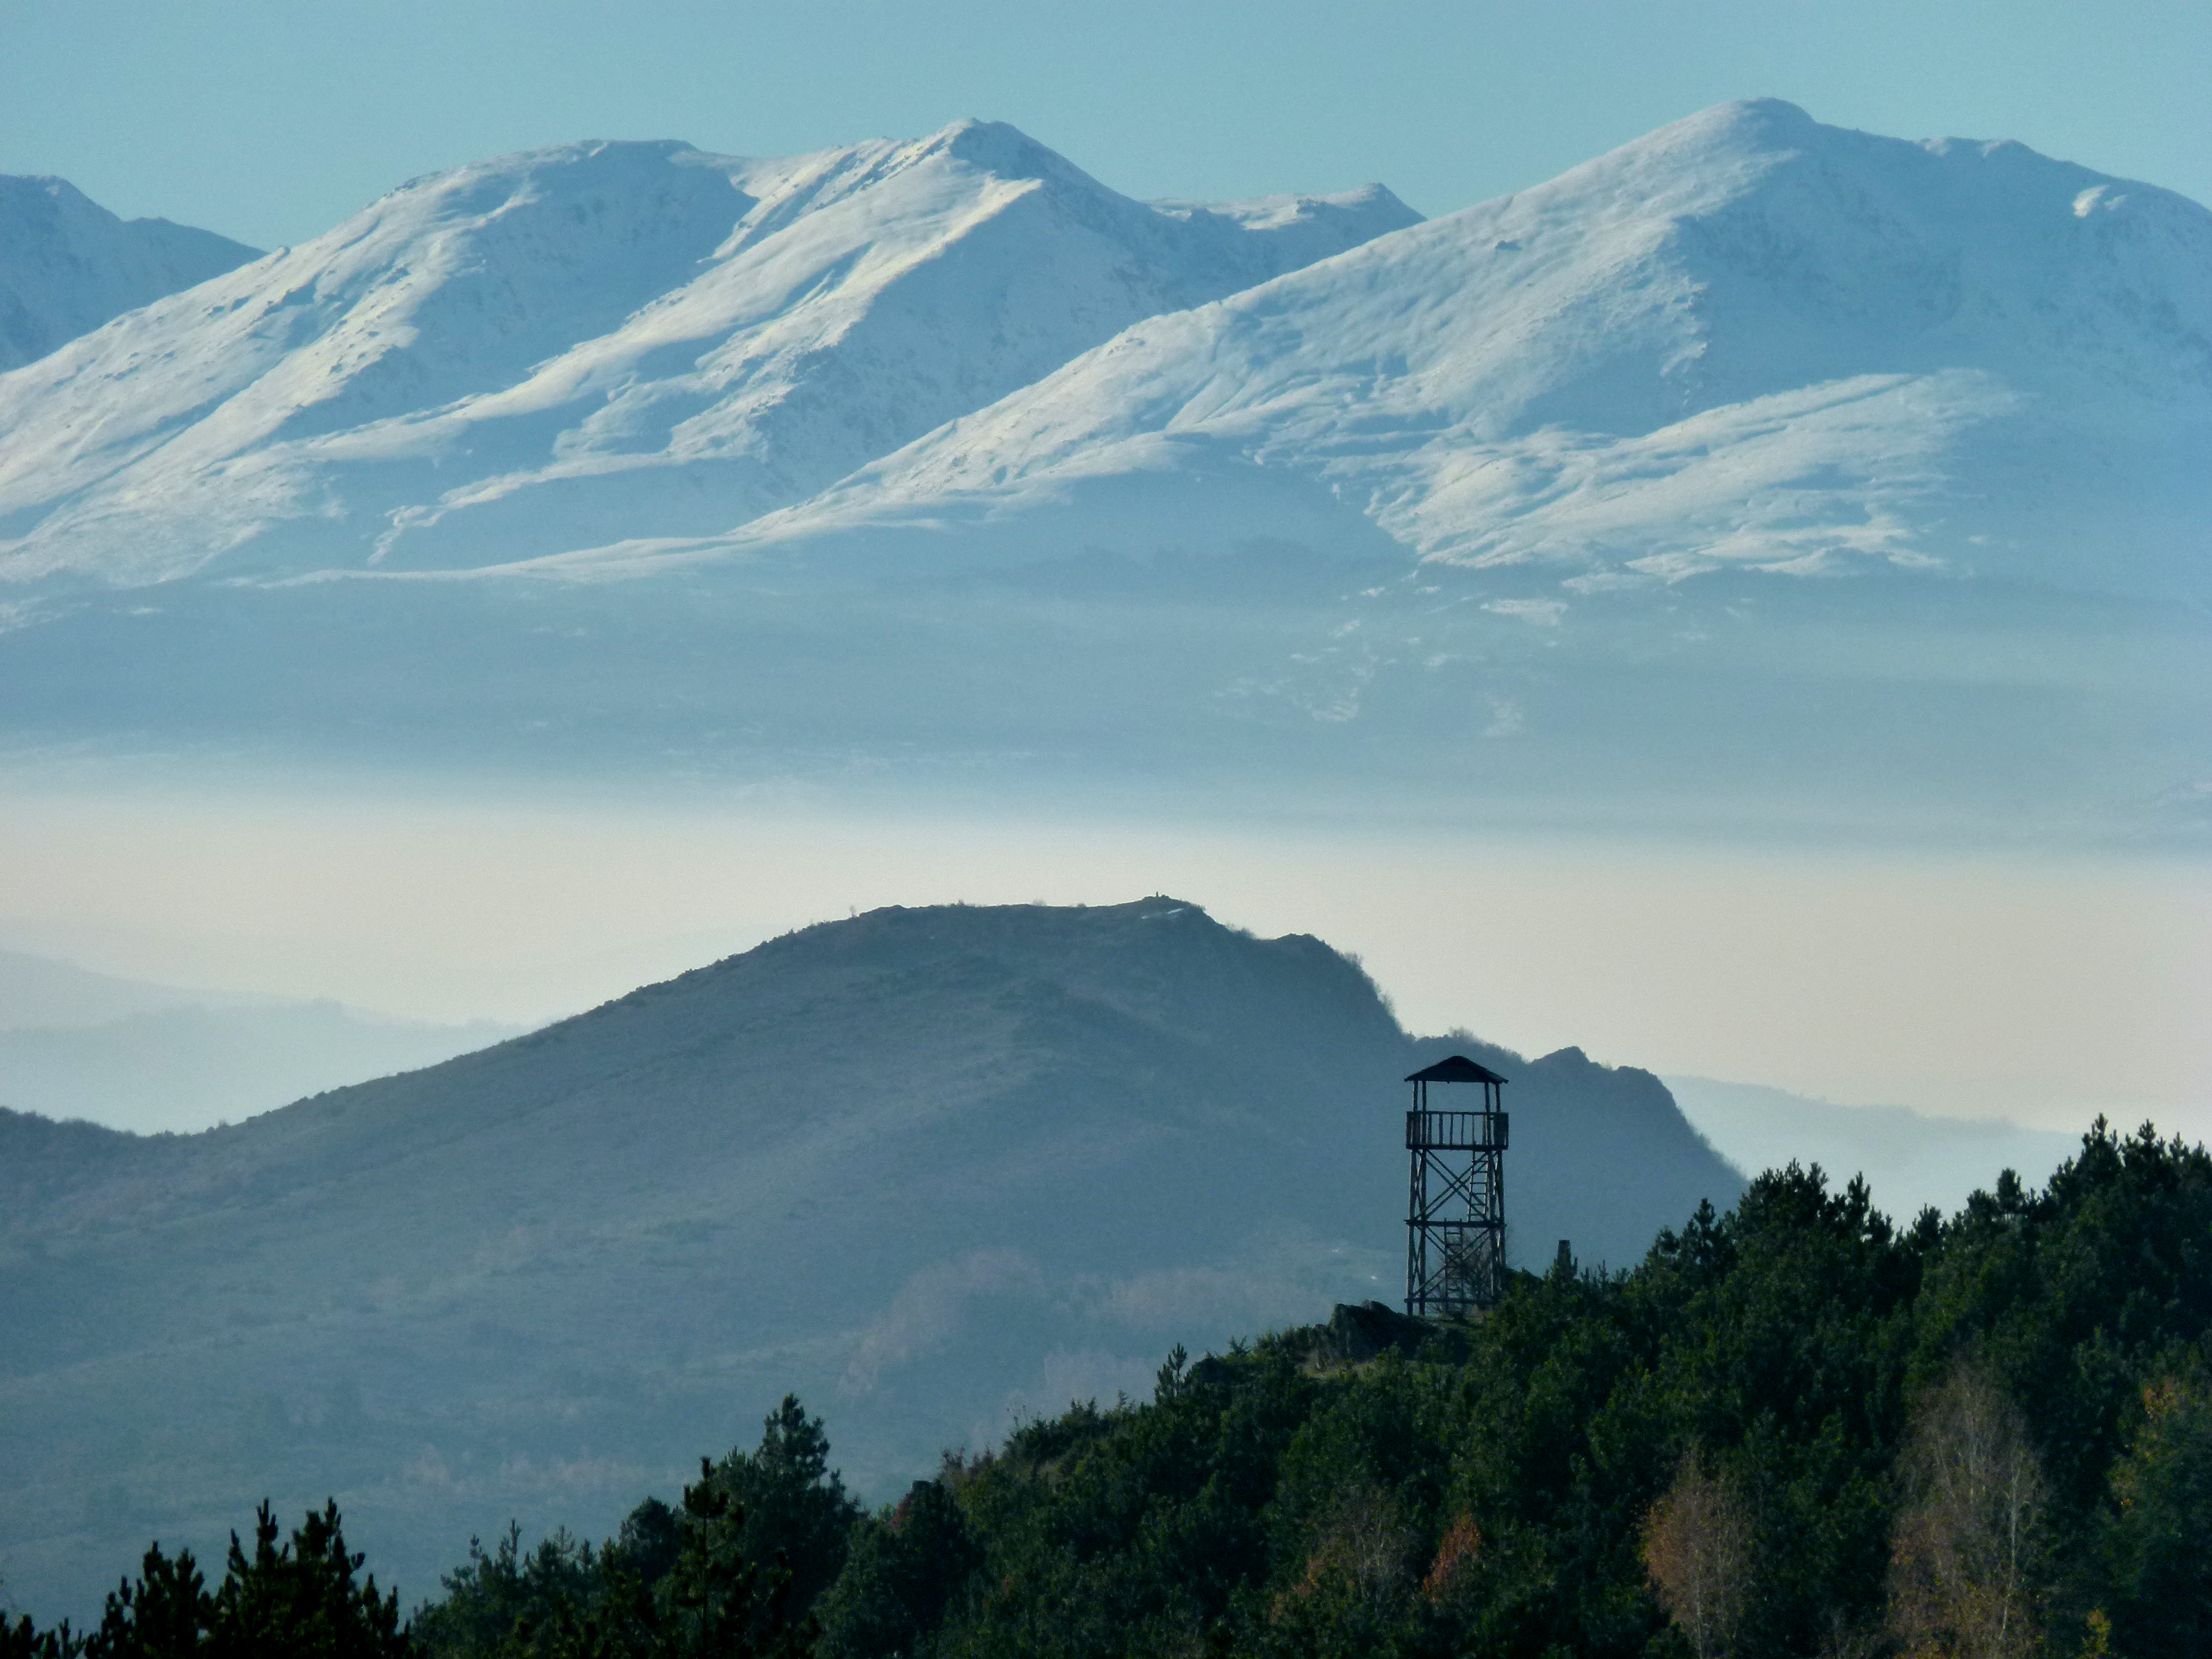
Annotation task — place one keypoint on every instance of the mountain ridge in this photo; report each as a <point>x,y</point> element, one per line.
<point>1497,385</point>
<point>909,1165</point>
<point>1841,322</point>
<point>575,316</point>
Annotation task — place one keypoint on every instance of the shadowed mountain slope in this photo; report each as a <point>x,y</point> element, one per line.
<point>925,1166</point>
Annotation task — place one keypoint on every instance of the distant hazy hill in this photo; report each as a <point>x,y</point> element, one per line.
<point>1909,1159</point>
<point>185,1068</point>
<point>67,264</point>
<point>146,1057</point>
<point>40,993</point>
<point>928,1167</point>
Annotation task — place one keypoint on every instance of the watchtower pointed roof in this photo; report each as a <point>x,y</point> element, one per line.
<point>1455,1068</point>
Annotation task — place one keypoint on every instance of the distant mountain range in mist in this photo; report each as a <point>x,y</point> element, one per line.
<point>1760,470</point>
<point>1911,1160</point>
<point>154,1058</point>
<point>928,1168</point>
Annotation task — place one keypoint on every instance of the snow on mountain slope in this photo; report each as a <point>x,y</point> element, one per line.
<point>67,264</point>
<point>1746,339</point>
<point>605,340</point>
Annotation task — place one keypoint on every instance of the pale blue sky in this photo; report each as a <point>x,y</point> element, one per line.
<point>270,121</point>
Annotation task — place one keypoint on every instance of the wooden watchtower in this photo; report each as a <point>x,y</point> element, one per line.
<point>1456,1213</point>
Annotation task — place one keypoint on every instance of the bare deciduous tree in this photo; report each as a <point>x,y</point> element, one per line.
<point>1364,1557</point>
<point>1966,1553</point>
<point>1698,1549</point>
<point>1369,1544</point>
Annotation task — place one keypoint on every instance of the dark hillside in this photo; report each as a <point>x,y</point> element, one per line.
<point>42,1162</point>
<point>1790,1430</point>
<point>926,1166</point>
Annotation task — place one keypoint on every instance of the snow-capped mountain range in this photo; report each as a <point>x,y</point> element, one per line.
<point>708,454</point>
<point>1746,339</point>
<point>67,264</point>
<point>600,341</point>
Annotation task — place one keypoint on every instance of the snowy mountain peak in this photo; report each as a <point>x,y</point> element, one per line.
<point>1744,339</point>
<point>1955,247</point>
<point>1767,125</point>
<point>1272,212</point>
<point>996,148</point>
<point>67,264</point>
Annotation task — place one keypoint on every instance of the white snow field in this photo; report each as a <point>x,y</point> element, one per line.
<point>605,340</point>
<point>67,264</point>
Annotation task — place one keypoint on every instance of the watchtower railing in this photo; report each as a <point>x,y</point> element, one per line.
<point>1455,1131</point>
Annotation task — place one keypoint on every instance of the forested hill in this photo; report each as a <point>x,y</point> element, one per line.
<point>1792,1429</point>
<point>935,1166</point>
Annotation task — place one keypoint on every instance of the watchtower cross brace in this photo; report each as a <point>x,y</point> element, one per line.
<point>1456,1208</point>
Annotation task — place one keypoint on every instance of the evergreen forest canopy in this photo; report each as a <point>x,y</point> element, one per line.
<point>1792,1429</point>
